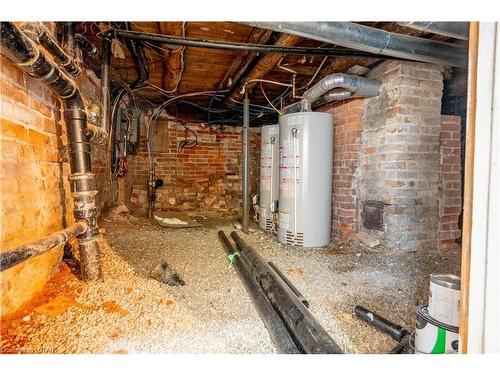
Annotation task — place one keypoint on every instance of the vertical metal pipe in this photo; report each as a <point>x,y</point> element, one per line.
<point>246,169</point>
<point>105,82</point>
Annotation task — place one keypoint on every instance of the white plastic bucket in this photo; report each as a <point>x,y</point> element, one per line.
<point>444,298</point>
<point>432,337</point>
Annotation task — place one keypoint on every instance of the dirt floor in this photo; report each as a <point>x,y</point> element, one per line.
<point>129,312</point>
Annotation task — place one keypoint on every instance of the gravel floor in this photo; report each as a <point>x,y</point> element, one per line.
<point>129,312</point>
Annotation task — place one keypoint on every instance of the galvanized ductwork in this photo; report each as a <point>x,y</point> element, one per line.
<point>374,40</point>
<point>458,30</point>
<point>336,86</point>
<point>25,53</point>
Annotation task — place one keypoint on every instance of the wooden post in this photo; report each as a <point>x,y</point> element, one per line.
<point>468,185</point>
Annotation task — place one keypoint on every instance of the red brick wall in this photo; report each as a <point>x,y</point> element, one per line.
<point>206,177</point>
<point>451,185</point>
<point>347,116</point>
<point>35,199</point>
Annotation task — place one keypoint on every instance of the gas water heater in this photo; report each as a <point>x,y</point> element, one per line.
<point>269,176</point>
<point>305,187</point>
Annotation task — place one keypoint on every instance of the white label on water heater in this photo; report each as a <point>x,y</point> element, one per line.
<point>287,169</point>
<point>265,165</point>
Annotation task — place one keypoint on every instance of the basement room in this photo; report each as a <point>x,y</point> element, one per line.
<point>249,187</point>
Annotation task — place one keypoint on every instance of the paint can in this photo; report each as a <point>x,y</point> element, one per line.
<point>433,337</point>
<point>444,298</point>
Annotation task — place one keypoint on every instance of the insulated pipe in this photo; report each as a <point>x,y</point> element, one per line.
<point>355,85</point>
<point>14,257</point>
<point>211,44</point>
<point>39,33</point>
<point>458,30</point>
<point>246,164</point>
<point>309,335</point>
<point>24,53</point>
<point>369,39</point>
<point>392,329</point>
<point>277,330</point>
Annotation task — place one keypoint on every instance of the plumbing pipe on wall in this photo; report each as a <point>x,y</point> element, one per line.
<point>25,54</point>
<point>13,257</point>
<point>39,33</point>
<point>370,39</point>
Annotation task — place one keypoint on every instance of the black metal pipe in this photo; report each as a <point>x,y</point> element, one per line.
<point>392,329</point>
<point>70,39</point>
<point>85,45</point>
<point>23,52</point>
<point>11,258</point>
<point>292,287</point>
<point>106,82</point>
<point>309,335</point>
<point>39,33</point>
<point>204,43</point>
<point>277,331</point>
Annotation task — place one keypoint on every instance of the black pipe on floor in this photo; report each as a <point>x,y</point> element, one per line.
<point>26,54</point>
<point>299,295</point>
<point>392,329</point>
<point>304,328</point>
<point>277,331</point>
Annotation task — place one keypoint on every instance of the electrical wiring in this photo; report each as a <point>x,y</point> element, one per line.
<point>270,103</point>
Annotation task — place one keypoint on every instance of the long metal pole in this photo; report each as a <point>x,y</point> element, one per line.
<point>105,82</point>
<point>246,166</point>
<point>217,44</point>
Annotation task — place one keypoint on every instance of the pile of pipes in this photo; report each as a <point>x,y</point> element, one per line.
<point>284,311</point>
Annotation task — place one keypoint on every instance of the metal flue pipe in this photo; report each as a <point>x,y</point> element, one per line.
<point>458,30</point>
<point>309,335</point>
<point>24,53</point>
<point>352,86</point>
<point>369,39</point>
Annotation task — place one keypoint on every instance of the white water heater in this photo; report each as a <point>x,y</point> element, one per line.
<point>305,188</point>
<point>269,176</point>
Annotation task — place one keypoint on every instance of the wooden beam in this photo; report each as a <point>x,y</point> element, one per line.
<point>468,185</point>
<point>173,62</point>
<point>266,64</point>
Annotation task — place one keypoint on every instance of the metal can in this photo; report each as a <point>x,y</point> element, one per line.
<point>444,298</point>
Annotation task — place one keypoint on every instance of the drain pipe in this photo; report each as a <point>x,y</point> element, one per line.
<point>39,33</point>
<point>328,87</point>
<point>11,258</point>
<point>458,30</point>
<point>370,39</point>
<point>24,53</point>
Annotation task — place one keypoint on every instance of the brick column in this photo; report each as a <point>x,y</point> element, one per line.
<point>400,164</point>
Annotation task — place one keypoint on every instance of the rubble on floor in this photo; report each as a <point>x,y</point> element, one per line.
<point>130,312</point>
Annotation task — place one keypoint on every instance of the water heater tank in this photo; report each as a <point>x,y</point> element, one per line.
<point>305,189</point>
<point>269,175</point>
